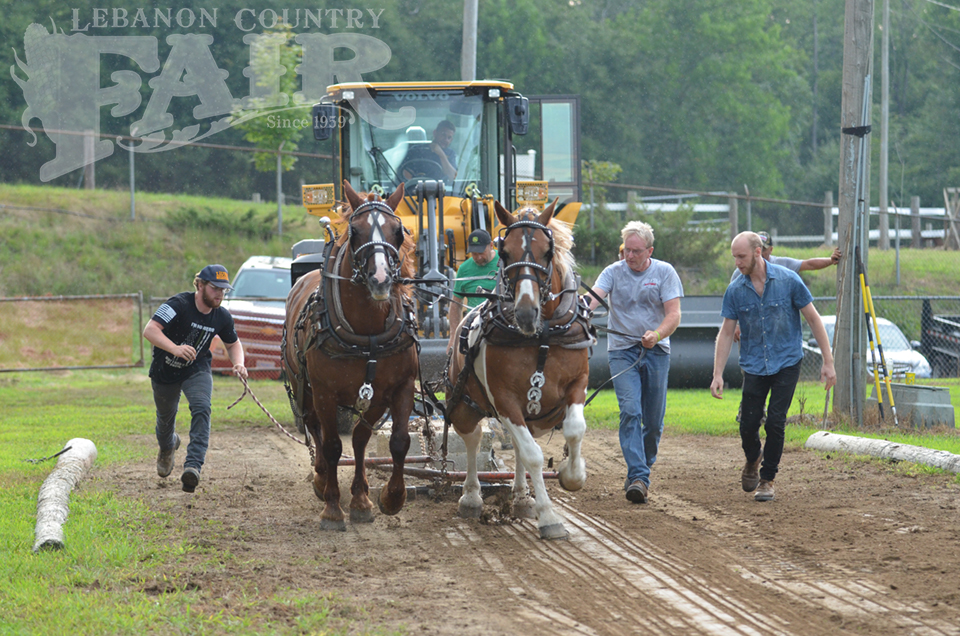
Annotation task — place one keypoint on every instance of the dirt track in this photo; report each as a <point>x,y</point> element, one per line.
<point>847,547</point>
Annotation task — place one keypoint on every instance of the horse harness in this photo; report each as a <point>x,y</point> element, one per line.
<point>492,322</point>
<point>327,329</point>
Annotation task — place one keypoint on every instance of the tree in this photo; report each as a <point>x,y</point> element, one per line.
<point>270,117</point>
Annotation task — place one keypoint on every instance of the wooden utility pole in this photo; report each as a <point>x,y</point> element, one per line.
<point>885,127</point>
<point>849,340</point>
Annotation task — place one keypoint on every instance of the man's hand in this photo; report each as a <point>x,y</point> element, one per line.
<point>240,370</point>
<point>716,388</point>
<point>828,375</point>
<point>185,351</point>
<point>835,257</point>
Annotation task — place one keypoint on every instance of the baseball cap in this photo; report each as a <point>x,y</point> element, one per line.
<point>765,240</point>
<point>216,275</point>
<point>478,241</point>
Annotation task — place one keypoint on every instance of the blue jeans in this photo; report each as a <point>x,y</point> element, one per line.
<point>198,389</point>
<point>642,395</point>
<point>780,386</point>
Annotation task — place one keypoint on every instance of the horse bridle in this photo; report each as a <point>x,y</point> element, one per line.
<point>542,274</point>
<point>388,249</point>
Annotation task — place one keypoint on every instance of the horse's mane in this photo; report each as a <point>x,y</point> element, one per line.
<point>407,266</point>
<point>563,260</point>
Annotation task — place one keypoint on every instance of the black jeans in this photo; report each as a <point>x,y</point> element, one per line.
<point>780,386</point>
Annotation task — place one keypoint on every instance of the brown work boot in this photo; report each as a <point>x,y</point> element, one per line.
<point>165,458</point>
<point>764,491</point>
<point>637,492</point>
<point>750,475</point>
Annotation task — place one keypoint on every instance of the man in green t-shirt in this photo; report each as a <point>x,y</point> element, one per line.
<point>482,263</point>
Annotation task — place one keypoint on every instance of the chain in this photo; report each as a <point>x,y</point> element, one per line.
<point>246,390</point>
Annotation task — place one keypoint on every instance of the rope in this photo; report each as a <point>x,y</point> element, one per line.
<point>246,390</point>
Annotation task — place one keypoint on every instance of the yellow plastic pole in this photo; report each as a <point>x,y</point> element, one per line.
<point>873,354</point>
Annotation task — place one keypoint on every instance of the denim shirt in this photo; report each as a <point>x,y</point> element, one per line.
<point>770,329</point>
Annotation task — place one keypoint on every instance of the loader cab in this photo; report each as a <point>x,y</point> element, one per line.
<point>385,134</point>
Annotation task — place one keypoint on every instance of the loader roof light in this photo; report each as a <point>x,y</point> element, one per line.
<point>493,93</point>
<point>318,198</point>
<point>347,95</point>
<point>533,193</point>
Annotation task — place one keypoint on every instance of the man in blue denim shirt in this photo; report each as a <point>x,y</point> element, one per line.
<point>767,301</point>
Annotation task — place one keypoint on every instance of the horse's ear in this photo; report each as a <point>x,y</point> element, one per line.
<point>394,200</point>
<point>352,197</point>
<point>505,217</point>
<point>547,213</point>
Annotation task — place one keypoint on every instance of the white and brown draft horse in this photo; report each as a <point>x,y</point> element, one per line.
<point>523,359</point>
<point>350,341</point>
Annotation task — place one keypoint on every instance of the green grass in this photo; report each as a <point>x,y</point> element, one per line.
<point>103,581</point>
<point>696,412</point>
<point>158,254</point>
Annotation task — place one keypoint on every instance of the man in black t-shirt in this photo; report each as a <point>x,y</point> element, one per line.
<point>181,332</point>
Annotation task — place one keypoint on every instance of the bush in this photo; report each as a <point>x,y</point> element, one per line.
<point>247,225</point>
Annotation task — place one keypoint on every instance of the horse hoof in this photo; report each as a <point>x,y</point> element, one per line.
<point>330,524</point>
<point>469,512</point>
<point>566,481</point>
<point>391,510</point>
<point>556,531</point>
<point>361,515</point>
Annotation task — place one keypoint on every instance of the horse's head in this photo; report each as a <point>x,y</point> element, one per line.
<point>375,237</point>
<point>526,261</point>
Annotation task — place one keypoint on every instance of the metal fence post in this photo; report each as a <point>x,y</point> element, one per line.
<point>828,218</point>
<point>916,238</point>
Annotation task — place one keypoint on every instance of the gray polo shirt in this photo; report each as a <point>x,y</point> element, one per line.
<point>636,300</point>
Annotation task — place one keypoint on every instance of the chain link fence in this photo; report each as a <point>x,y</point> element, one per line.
<point>922,337</point>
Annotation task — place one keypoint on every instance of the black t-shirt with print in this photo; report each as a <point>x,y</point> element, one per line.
<point>184,324</point>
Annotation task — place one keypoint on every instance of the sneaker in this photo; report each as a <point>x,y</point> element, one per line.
<point>190,479</point>
<point>750,475</point>
<point>165,458</point>
<point>637,492</point>
<point>764,491</point>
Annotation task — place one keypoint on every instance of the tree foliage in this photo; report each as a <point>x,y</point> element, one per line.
<point>700,94</point>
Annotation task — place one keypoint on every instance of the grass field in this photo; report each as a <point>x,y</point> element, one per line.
<point>107,577</point>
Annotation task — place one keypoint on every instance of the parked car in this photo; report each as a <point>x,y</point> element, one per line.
<point>902,355</point>
<point>257,304</point>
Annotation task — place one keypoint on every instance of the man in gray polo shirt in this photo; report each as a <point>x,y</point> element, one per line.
<point>644,298</point>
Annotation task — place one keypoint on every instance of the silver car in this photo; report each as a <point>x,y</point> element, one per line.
<point>900,353</point>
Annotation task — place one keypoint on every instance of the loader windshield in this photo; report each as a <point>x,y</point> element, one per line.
<point>452,139</point>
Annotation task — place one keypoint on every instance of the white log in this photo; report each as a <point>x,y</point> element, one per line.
<point>824,441</point>
<point>53,502</point>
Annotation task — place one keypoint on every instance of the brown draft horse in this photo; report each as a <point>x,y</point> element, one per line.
<point>523,360</point>
<point>350,337</point>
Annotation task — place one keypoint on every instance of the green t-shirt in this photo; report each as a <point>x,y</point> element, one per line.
<point>469,269</point>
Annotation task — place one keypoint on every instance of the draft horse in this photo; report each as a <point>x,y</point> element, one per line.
<point>350,340</point>
<point>523,359</point>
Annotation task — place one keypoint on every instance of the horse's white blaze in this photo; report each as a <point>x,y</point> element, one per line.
<point>381,272</point>
<point>526,290</point>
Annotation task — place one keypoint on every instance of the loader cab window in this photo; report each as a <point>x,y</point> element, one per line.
<point>450,123</point>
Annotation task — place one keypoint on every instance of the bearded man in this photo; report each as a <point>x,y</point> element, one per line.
<point>181,332</point>
<point>767,302</point>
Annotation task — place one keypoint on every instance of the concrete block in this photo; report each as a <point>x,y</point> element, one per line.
<point>919,405</point>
